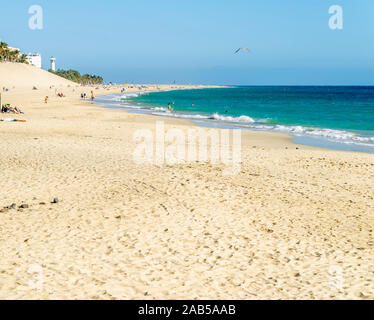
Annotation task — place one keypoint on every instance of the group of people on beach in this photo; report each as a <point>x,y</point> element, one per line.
<point>84,96</point>
<point>6,108</point>
<point>58,94</point>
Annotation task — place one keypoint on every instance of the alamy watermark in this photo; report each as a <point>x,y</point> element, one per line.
<point>174,146</point>
<point>336,19</point>
<point>36,20</point>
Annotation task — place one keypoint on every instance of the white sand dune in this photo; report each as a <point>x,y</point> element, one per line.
<point>20,75</point>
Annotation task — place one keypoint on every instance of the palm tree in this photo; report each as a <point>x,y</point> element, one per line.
<point>3,46</point>
<point>23,59</point>
<point>3,49</point>
<point>14,55</point>
<point>7,54</point>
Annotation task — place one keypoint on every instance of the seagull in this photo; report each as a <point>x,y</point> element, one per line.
<point>242,49</point>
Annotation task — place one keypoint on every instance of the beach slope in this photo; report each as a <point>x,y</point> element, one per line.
<point>20,75</point>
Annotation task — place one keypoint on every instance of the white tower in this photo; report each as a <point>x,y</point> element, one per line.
<point>53,64</point>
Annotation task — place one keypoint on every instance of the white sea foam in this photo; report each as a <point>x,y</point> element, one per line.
<point>248,122</point>
<point>331,134</point>
<point>110,98</point>
<point>241,119</point>
<point>129,95</point>
<point>160,109</point>
<point>181,115</point>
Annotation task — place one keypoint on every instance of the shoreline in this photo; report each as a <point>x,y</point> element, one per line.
<point>298,139</point>
<point>185,121</point>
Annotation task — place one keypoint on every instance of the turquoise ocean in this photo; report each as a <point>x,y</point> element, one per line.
<point>333,117</point>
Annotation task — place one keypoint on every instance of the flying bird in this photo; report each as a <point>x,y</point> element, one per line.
<point>242,49</point>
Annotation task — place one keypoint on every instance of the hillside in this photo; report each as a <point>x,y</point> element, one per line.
<point>19,75</point>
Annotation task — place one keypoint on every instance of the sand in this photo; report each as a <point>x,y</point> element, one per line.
<point>283,228</point>
<point>20,75</point>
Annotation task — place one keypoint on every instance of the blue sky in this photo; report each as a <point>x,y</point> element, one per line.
<point>194,41</point>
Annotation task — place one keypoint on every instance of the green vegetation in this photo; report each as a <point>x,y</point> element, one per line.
<point>11,55</point>
<point>75,76</point>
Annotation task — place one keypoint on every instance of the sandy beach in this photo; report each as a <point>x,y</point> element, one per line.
<point>293,220</point>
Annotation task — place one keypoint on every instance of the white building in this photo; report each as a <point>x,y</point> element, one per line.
<point>53,64</point>
<point>35,59</point>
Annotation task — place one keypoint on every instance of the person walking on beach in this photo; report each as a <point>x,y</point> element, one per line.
<point>169,107</point>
